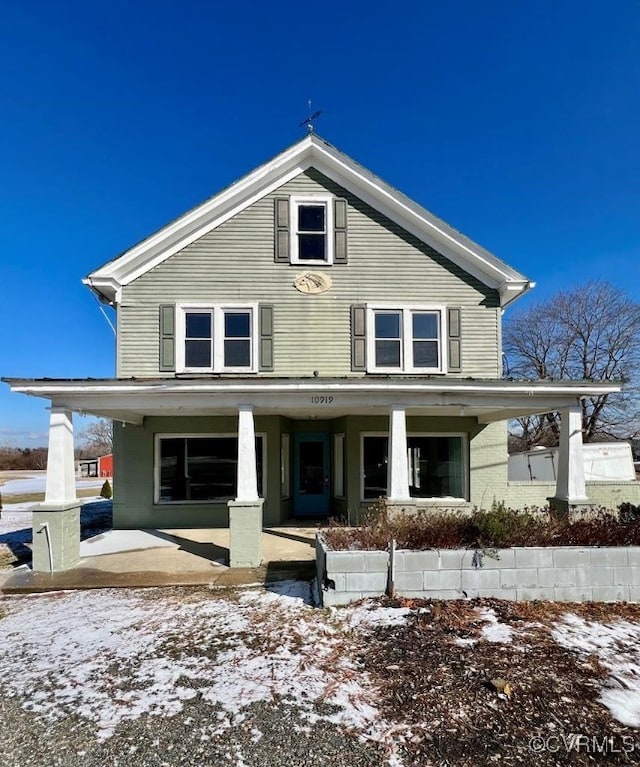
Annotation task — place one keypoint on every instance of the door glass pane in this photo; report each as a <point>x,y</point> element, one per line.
<point>312,468</point>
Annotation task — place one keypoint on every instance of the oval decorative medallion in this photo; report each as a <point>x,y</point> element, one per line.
<point>312,282</point>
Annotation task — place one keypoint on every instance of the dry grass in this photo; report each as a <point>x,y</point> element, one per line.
<point>83,492</point>
<point>496,528</point>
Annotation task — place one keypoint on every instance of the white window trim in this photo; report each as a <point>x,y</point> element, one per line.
<point>191,435</point>
<point>217,311</point>
<point>406,341</point>
<point>426,501</point>
<point>327,201</point>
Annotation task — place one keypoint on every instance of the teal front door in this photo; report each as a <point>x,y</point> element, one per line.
<point>311,487</point>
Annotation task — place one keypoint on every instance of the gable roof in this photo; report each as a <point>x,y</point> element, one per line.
<point>310,152</point>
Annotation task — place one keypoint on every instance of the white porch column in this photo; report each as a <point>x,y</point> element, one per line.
<point>247,471</point>
<point>570,485</point>
<point>56,522</point>
<point>245,513</point>
<point>397,466</point>
<point>61,480</point>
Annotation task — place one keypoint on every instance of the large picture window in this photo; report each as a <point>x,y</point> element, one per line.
<point>201,468</point>
<point>217,339</point>
<point>405,339</point>
<point>436,466</point>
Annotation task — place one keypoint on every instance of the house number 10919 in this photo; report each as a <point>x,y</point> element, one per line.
<point>321,399</point>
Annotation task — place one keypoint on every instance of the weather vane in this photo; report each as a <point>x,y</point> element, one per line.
<point>311,117</point>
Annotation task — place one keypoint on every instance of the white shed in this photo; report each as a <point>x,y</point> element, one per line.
<point>603,461</point>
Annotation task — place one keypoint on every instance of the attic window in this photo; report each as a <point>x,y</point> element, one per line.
<point>312,230</point>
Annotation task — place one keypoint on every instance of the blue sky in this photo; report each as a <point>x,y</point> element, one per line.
<point>518,123</point>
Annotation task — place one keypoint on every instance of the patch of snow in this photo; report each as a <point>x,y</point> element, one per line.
<point>494,631</point>
<point>112,656</point>
<point>367,615</point>
<point>617,647</point>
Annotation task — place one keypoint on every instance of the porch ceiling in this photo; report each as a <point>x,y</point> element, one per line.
<point>130,400</point>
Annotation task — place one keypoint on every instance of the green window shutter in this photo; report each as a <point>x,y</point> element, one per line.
<point>167,338</point>
<point>453,330</point>
<point>340,230</point>
<point>281,228</point>
<point>358,337</point>
<point>266,336</point>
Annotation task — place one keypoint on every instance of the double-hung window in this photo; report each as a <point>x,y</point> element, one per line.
<point>405,339</point>
<point>217,339</point>
<point>311,230</point>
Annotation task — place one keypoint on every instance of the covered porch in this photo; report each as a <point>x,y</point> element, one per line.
<point>318,424</point>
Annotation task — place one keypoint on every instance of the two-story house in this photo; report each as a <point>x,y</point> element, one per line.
<point>300,344</point>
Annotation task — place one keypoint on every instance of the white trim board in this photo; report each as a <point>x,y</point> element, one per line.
<point>312,151</point>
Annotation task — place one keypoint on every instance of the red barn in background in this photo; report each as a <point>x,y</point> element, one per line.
<point>105,466</point>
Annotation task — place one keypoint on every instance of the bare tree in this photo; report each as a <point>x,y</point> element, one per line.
<point>590,333</point>
<point>97,438</point>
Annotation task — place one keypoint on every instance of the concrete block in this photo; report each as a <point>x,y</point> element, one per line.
<point>445,580</point>
<point>533,557</point>
<point>453,559</point>
<point>613,556</point>
<point>610,593</point>
<point>345,562</point>
<point>337,598</point>
<point>412,594</point>
<point>634,593</point>
<point>506,559</point>
<point>529,595</point>
<point>634,576</point>
<point>573,594</point>
<point>417,561</point>
<point>371,583</point>
<point>476,580</point>
<point>551,577</point>
<point>601,576</point>
<point>521,578</point>
<point>340,582</point>
<point>633,555</point>
<point>408,581</point>
<point>621,576</point>
<point>569,556</point>
<point>376,561</point>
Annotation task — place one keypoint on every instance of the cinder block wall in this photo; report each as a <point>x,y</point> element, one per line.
<point>560,573</point>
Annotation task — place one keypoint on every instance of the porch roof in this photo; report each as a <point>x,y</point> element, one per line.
<point>131,399</point>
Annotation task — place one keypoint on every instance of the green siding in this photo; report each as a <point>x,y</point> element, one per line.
<point>134,450</point>
<point>235,263</point>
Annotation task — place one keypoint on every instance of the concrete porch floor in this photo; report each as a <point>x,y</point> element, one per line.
<point>142,558</point>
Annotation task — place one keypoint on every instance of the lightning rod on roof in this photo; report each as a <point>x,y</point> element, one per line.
<point>310,118</point>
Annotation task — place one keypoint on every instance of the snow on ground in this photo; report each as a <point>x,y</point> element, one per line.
<point>494,631</point>
<point>36,484</point>
<point>60,654</point>
<point>617,647</point>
